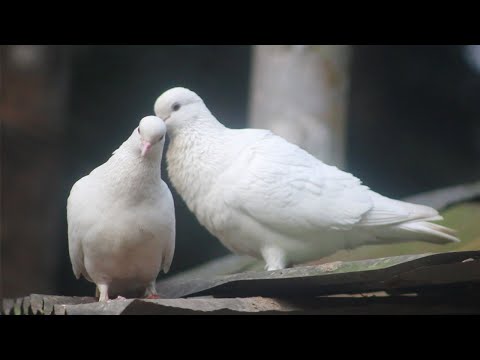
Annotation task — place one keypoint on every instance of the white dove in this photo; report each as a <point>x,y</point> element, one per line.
<point>121,218</point>
<point>265,197</point>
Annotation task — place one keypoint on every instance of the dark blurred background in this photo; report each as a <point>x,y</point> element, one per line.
<point>411,126</point>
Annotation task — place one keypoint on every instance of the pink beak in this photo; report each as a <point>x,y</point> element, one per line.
<point>145,147</point>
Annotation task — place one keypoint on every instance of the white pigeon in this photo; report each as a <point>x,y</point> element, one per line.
<point>265,197</point>
<point>121,218</point>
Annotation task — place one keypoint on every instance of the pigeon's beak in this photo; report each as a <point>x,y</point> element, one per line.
<point>146,145</point>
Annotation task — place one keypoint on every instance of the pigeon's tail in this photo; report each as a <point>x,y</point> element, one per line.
<point>398,221</point>
<point>422,230</point>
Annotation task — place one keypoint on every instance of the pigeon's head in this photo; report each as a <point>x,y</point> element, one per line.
<point>151,131</point>
<point>178,107</point>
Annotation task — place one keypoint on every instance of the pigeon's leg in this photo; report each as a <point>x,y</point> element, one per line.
<point>151,291</point>
<point>274,257</point>
<point>103,289</point>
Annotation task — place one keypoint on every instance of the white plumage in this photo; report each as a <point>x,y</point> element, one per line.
<point>263,196</point>
<point>121,219</point>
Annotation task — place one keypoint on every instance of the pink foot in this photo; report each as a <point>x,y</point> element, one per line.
<point>153,297</point>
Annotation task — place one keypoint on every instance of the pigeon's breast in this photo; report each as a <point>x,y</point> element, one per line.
<point>127,245</point>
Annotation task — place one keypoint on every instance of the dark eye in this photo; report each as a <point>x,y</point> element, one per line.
<point>175,107</point>
<point>138,129</point>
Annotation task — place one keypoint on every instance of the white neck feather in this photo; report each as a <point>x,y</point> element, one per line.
<point>127,172</point>
<point>195,158</point>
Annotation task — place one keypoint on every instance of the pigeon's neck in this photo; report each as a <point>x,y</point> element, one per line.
<point>196,156</point>
<point>130,173</point>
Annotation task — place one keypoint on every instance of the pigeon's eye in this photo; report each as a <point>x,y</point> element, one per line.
<point>176,107</point>
<point>138,129</point>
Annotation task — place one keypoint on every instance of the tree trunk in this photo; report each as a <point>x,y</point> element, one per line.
<point>300,93</point>
<point>33,93</point>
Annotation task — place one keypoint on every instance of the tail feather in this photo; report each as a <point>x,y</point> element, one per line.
<point>429,232</point>
<point>418,231</point>
<point>398,221</point>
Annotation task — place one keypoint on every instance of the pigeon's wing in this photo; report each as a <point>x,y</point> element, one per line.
<point>168,257</point>
<point>286,189</point>
<point>170,246</point>
<point>387,211</point>
<point>166,226</point>
<point>76,214</point>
